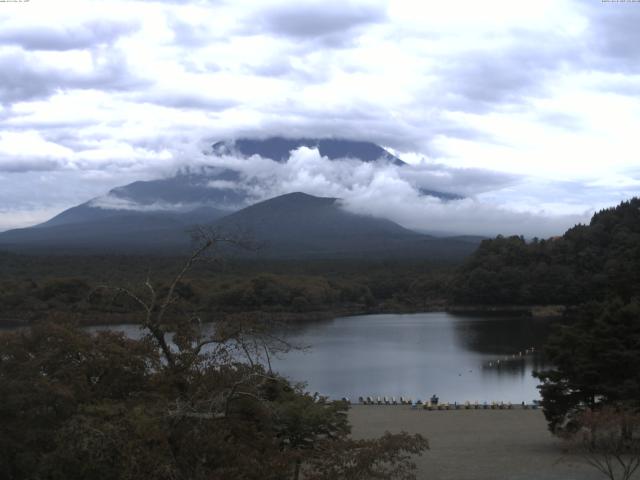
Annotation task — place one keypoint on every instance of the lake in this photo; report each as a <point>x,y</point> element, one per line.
<point>416,355</point>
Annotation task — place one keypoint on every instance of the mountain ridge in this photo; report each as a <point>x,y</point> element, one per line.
<point>155,214</point>
<point>294,225</point>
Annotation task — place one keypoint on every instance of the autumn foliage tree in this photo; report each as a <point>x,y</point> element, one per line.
<point>185,401</point>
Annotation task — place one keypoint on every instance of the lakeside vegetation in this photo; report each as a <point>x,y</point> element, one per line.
<point>589,262</point>
<point>592,272</point>
<point>591,391</point>
<point>35,288</point>
<point>75,405</point>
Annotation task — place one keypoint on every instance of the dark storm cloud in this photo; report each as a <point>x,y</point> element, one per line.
<point>333,24</point>
<point>23,77</point>
<point>58,37</point>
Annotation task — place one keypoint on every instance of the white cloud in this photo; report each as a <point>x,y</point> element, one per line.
<point>488,92</point>
<point>111,202</point>
<point>393,192</point>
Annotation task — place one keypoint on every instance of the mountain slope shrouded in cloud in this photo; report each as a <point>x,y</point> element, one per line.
<point>295,225</point>
<point>222,190</point>
<point>216,179</point>
<point>528,114</point>
<point>237,177</point>
<point>280,148</point>
<point>301,225</point>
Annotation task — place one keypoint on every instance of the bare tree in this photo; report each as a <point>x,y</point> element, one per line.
<point>609,441</point>
<point>215,374</point>
<point>183,339</point>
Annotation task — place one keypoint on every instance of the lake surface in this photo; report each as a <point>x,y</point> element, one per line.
<point>417,355</point>
<point>414,355</point>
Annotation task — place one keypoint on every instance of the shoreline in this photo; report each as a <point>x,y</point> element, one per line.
<point>92,319</point>
<point>535,311</point>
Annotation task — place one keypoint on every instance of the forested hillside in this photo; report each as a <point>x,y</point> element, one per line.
<point>588,262</point>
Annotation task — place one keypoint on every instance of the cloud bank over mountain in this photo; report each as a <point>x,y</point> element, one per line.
<point>530,110</point>
<point>379,188</point>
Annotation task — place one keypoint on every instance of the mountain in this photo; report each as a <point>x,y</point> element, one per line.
<point>126,232</point>
<point>301,225</point>
<point>280,148</point>
<point>206,193</point>
<point>298,223</point>
<point>154,214</point>
<point>295,225</point>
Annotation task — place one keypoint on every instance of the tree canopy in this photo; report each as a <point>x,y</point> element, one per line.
<point>182,402</point>
<point>595,360</point>
<point>588,262</point>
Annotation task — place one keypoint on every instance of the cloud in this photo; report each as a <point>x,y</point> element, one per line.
<point>188,100</point>
<point>333,24</point>
<point>490,94</point>
<point>65,37</point>
<point>26,76</point>
<point>613,35</point>
<point>384,190</point>
<point>36,154</point>
<point>480,80</point>
<point>314,19</point>
<point>191,33</point>
<point>112,202</point>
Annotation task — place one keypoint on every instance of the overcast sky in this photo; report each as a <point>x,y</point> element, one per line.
<point>531,109</point>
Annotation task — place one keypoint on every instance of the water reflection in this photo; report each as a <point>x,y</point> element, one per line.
<point>501,335</point>
<point>420,354</point>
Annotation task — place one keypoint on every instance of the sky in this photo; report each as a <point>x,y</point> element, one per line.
<point>531,110</point>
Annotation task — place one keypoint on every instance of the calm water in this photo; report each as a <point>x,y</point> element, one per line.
<point>418,355</point>
<point>415,355</point>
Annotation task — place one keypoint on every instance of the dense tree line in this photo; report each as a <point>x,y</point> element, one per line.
<point>594,354</point>
<point>589,262</point>
<point>316,287</point>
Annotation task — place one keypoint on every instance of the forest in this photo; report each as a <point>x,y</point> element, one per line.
<point>121,408</point>
<point>588,262</point>
<point>37,287</point>
<point>76,405</point>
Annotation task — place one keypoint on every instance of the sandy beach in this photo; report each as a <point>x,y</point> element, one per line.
<point>477,444</point>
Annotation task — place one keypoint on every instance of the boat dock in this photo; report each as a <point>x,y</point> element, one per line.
<point>437,405</point>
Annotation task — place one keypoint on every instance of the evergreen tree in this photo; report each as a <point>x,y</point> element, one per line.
<point>596,358</point>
